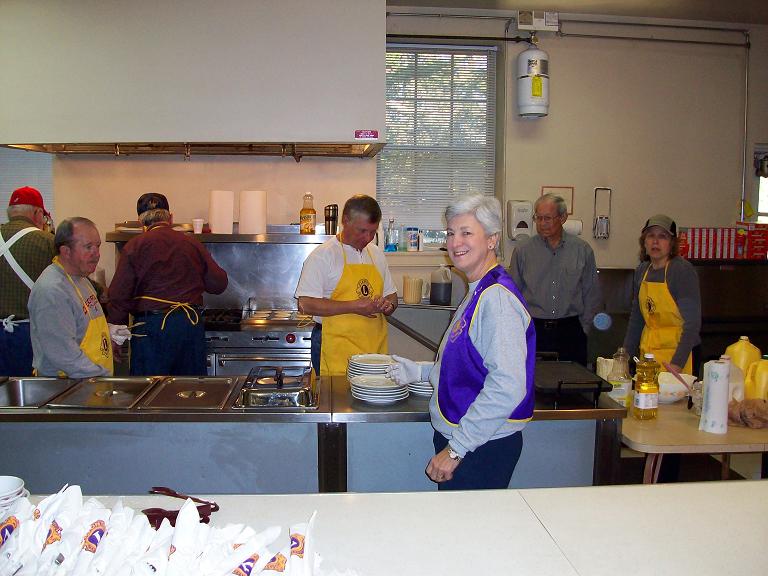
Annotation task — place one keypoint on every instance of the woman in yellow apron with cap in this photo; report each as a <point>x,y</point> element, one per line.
<point>666,314</point>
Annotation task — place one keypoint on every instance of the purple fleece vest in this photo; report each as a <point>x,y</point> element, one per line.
<point>462,373</point>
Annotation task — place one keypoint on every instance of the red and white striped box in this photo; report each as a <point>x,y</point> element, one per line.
<point>715,243</point>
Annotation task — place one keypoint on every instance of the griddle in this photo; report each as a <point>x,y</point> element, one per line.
<point>562,378</point>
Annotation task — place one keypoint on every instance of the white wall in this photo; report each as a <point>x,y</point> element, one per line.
<point>105,189</point>
<point>659,123</point>
<point>191,70</point>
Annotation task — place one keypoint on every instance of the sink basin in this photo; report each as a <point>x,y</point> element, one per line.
<point>31,392</point>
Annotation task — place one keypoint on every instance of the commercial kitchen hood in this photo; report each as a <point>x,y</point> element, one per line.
<point>295,150</point>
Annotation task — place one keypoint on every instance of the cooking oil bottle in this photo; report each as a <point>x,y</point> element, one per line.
<point>308,216</point>
<point>645,405</point>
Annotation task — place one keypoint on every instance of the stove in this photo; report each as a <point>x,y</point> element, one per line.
<point>238,340</point>
<point>278,387</point>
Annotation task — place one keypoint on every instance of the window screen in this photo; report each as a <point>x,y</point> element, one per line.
<point>441,131</point>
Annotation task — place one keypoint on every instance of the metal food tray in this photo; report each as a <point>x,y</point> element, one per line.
<point>31,391</point>
<point>105,393</point>
<point>191,393</point>
<point>282,399</point>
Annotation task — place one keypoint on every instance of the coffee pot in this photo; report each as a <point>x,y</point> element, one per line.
<point>440,286</point>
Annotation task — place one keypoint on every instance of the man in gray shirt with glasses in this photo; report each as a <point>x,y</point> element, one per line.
<point>557,275</point>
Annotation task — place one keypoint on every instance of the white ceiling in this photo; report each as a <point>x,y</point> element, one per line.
<point>737,11</point>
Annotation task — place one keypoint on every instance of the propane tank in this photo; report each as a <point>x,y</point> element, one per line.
<point>533,83</point>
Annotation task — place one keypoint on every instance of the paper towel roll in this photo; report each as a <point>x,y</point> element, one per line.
<point>573,227</point>
<point>253,212</point>
<point>221,211</point>
<point>714,411</point>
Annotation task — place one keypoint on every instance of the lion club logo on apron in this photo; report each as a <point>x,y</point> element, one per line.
<point>458,328</point>
<point>650,305</point>
<point>94,536</point>
<point>364,289</point>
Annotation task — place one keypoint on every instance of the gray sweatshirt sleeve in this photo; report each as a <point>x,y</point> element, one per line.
<point>498,333</point>
<point>636,321</point>
<point>52,310</point>
<point>684,287</point>
<point>593,299</point>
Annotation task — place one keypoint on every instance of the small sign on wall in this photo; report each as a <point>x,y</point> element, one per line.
<point>565,192</point>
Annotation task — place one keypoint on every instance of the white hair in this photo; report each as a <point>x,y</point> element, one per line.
<point>487,210</point>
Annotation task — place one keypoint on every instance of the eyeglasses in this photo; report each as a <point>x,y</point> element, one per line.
<point>545,219</point>
<point>156,515</point>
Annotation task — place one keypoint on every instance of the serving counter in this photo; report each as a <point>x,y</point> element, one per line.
<point>343,445</point>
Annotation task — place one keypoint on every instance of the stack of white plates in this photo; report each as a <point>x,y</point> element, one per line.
<point>420,388</point>
<point>377,389</point>
<point>368,365</point>
<point>11,489</point>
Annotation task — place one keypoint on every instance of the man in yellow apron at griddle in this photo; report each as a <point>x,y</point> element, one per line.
<point>70,334</point>
<point>346,285</point>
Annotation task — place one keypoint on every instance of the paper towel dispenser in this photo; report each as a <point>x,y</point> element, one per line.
<point>519,219</point>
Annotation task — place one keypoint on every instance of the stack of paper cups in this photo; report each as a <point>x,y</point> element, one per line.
<point>253,212</point>
<point>714,412</point>
<point>221,211</point>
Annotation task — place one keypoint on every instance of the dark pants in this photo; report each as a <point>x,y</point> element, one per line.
<point>178,350</point>
<point>564,336</point>
<point>16,351</point>
<point>316,342</point>
<point>489,467</point>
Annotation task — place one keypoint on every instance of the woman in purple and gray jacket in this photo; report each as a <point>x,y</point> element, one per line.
<point>483,375</point>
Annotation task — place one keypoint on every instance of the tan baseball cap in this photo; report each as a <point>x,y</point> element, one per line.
<point>662,221</point>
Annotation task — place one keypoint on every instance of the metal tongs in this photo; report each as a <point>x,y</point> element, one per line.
<point>156,515</point>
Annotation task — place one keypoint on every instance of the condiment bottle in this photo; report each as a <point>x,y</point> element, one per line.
<point>308,216</point>
<point>645,405</point>
<point>619,377</point>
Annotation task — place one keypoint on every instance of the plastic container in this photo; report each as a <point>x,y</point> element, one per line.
<point>619,377</point>
<point>645,405</point>
<point>735,380</point>
<point>440,286</point>
<point>412,239</point>
<point>308,215</point>
<point>743,353</point>
<point>756,380</point>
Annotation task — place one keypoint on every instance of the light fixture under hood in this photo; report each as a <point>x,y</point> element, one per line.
<point>297,151</point>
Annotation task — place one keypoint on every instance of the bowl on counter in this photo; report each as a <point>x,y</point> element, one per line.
<point>670,389</point>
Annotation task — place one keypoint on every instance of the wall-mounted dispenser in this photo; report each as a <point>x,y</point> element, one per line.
<point>519,219</point>
<point>601,227</point>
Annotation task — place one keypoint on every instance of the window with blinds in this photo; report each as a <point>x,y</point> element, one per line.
<point>441,131</point>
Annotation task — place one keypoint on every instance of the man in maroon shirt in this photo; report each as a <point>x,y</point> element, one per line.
<point>160,279</point>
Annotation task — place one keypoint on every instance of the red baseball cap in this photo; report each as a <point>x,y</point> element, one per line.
<point>28,196</point>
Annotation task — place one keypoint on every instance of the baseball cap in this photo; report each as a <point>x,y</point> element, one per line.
<point>662,221</point>
<point>151,201</point>
<point>28,196</point>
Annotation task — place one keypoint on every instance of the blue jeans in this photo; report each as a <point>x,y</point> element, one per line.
<point>489,467</point>
<point>178,350</point>
<point>16,351</point>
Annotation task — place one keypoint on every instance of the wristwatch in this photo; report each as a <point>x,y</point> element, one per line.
<point>453,455</point>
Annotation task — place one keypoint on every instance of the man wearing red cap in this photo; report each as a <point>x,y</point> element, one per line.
<point>26,248</point>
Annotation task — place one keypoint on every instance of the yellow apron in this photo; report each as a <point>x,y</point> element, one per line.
<point>96,343</point>
<point>348,334</point>
<point>663,321</point>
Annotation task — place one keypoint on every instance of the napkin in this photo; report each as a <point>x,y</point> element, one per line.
<point>250,557</point>
<point>184,550</point>
<point>301,560</point>
<point>80,540</point>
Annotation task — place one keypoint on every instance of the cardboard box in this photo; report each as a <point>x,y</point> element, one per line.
<point>710,243</point>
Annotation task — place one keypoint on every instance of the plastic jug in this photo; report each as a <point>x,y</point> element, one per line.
<point>735,380</point>
<point>619,377</point>
<point>756,381</point>
<point>440,286</point>
<point>743,353</point>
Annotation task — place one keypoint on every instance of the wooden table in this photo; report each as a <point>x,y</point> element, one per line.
<point>676,431</point>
